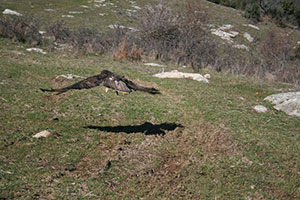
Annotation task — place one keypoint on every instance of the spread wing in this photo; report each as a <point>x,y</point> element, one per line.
<point>133,86</point>
<point>87,83</point>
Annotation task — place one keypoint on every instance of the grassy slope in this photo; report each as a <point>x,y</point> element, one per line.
<point>220,149</point>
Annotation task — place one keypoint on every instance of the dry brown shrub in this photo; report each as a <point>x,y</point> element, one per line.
<point>122,52</point>
<point>135,53</point>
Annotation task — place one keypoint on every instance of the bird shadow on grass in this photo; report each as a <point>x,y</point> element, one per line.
<point>147,128</point>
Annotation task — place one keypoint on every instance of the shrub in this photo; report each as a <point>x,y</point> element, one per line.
<point>252,12</point>
<point>58,31</point>
<point>178,37</point>
<point>278,55</point>
<point>23,29</point>
<point>124,52</point>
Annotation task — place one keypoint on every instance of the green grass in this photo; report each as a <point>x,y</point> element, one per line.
<point>220,149</point>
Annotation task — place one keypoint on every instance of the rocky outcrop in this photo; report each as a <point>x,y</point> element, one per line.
<point>287,102</point>
<point>177,74</point>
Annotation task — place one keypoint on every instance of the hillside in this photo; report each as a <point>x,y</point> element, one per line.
<point>194,141</point>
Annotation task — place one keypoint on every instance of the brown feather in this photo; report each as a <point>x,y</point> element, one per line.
<point>111,80</point>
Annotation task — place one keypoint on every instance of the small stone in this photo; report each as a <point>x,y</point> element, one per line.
<point>44,133</point>
<point>260,109</point>
<point>207,76</point>
<point>11,12</point>
<point>36,50</point>
<point>55,119</point>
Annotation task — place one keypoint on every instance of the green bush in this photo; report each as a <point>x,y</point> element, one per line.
<point>252,12</point>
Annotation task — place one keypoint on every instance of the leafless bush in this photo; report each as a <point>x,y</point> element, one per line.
<point>58,31</point>
<point>23,29</point>
<point>178,37</point>
<point>279,53</point>
<point>85,40</point>
<point>234,62</point>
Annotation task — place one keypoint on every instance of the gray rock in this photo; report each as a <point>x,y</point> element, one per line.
<point>260,109</point>
<point>44,133</point>
<point>287,102</point>
<point>177,74</point>
<point>11,12</point>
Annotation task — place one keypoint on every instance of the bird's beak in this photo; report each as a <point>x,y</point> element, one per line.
<point>106,90</point>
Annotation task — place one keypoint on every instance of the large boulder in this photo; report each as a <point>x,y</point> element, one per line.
<point>177,74</point>
<point>288,102</point>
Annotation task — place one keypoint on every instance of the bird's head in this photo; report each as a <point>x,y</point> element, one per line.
<point>105,73</point>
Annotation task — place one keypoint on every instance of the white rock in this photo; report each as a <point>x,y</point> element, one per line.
<point>241,46</point>
<point>68,76</point>
<point>36,50</point>
<point>154,65</point>
<point>114,26</point>
<point>226,27</point>
<point>223,34</point>
<point>49,9</point>
<point>248,37</point>
<point>84,6</point>
<point>177,74</point>
<point>11,12</point>
<point>260,109</point>
<point>136,7</point>
<point>75,12</point>
<point>252,26</point>
<point>44,133</point>
<point>287,102</point>
<point>68,16</point>
<point>207,76</point>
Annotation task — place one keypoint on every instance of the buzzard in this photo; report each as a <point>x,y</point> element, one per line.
<point>109,80</point>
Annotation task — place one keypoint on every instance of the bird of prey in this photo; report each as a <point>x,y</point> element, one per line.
<point>109,80</point>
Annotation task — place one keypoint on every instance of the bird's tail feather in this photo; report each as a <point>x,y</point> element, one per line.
<point>59,91</point>
<point>149,90</point>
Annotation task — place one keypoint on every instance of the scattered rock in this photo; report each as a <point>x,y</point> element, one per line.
<point>207,76</point>
<point>84,6</point>
<point>223,34</point>
<point>114,26</point>
<point>287,102</point>
<point>154,65</point>
<point>44,133</point>
<point>11,12</point>
<point>248,37</point>
<point>241,46</point>
<point>75,12</point>
<point>67,16</point>
<point>36,50</point>
<point>252,26</point>
<point>177,74</point>
<point>49,9</point>
<point>136,7</point>
<point>68,76</point>
<point>260,109</point>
